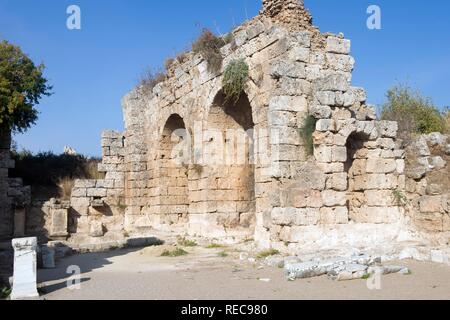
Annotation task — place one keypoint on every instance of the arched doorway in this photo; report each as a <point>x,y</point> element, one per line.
<point>173,159</point>
<point>228,160</point>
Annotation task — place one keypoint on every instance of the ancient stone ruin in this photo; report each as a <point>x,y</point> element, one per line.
<point>192,162</point>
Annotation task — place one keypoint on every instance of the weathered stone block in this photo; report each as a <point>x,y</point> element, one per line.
<point>431,204</point>
<point>337,45</point>
<point>323,154</point>
<point>339,154</point>
<point>336,215</point>
<point>381,166</point>
<point>334,198</point>
<point>324,125</point>
<point>288,103</point>
<point>337,181</point>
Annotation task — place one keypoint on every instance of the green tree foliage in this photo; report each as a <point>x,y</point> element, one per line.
<point>414,113</point>
<point>22,85</point>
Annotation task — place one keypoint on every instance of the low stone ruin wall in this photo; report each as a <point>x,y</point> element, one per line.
<point>428,187</point>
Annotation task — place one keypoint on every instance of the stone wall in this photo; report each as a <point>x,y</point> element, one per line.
<point>192,162</point>
<point>14,197</point>
<point>428,187</point>
<point>6,209</point>
<point>284,193</point>
<point>96,207</point>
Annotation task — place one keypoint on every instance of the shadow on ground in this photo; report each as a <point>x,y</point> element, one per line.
<point>65,273</point>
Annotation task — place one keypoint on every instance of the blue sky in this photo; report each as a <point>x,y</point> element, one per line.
<point>93,68</point>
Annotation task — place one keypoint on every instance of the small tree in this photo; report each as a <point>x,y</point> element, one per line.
<point>414,113</point>
<point>22,86</point>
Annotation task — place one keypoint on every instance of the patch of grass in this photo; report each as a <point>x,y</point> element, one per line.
<point>222,254</point>
<point>214,246</point>
<point>186,243</point>
<point>178,252</point>
<point>400,198</point>
<point>267,253</point>
<point>306,133</point>
<point>366,276</point>
<point>235,80</point>
<point>5,292</point>
<point>208,45</point>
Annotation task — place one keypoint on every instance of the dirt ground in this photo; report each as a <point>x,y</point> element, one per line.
<point>206,274</point>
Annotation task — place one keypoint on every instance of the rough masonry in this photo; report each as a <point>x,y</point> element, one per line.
<point>192,162</point>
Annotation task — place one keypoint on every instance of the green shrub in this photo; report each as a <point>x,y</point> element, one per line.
<point>306,133</point>
<point>208,45</point>
<point>235,80</point>
<point>414,113</point>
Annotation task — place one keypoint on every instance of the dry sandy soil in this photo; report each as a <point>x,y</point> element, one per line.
<point>203,274</point>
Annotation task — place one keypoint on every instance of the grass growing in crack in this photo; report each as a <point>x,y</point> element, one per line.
<point>235,80</point>
<point>306,133</point>
<point>178,252</point>
<point>214,246</point>
<point>222,254</point>
<point>267,253</point>
<point>186,243</point>
<point>400,198</point>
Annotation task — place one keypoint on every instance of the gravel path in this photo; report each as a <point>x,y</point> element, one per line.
<point>143,274</point>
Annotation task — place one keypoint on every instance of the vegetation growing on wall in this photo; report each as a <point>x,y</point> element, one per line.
<point>414,113</point>
<point>149,79</point>
<point>306,133</point>
<point>208,45</point>
<point>235,80</point>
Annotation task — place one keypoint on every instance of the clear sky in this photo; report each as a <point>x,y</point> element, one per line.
<point>93,68</point>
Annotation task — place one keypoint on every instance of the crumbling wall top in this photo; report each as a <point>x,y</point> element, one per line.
<point>290,12</point>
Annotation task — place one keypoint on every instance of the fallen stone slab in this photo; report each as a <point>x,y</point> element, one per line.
<point>349,272</point>
<point>331,266</point>
<point>385,270</point>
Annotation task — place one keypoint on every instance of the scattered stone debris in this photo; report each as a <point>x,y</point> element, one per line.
<point>341,269</point>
